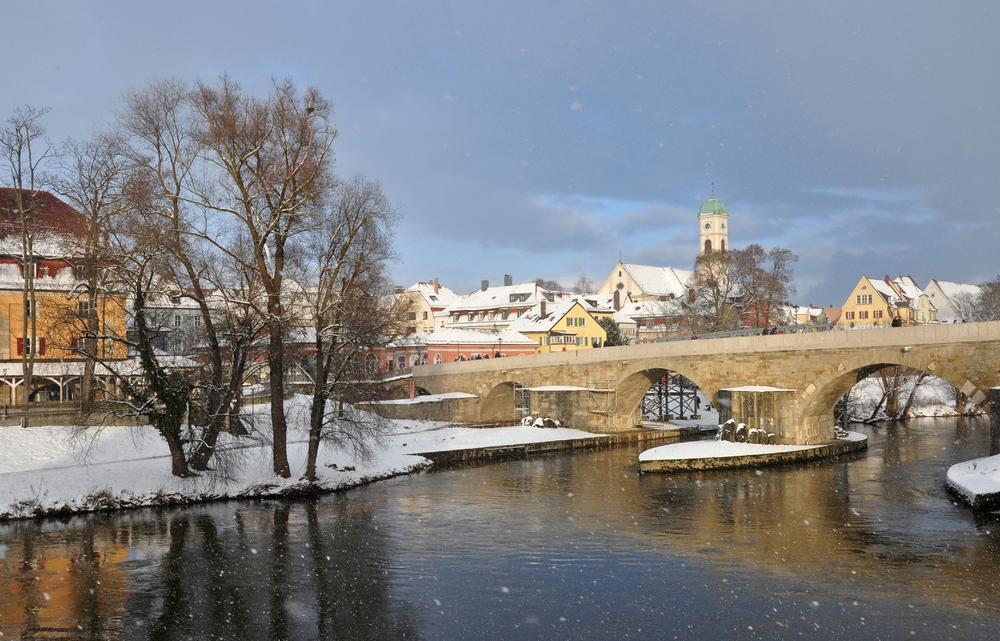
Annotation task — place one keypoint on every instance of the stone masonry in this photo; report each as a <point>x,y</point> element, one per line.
<point>819,367</point>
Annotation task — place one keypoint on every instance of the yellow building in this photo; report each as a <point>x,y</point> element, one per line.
<point>561,327</point>
<point>875,302</point>
<point>51,330</point>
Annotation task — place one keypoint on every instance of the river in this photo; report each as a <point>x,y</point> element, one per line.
<point>558,547</point>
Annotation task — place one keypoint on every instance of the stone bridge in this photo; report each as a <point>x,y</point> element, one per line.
<point>802,376</point>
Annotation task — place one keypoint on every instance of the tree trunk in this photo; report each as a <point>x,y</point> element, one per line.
<point>279,428</point>
<point>178,464</point>
<point>913,393</point>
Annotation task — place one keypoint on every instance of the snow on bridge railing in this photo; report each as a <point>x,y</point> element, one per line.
<point>780,329</point>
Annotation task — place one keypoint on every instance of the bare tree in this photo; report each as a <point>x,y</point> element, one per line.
<point>966,304</point>
<point>741,287</point>
<point>22,141</point>
<point>350,246</point>
<point>93,179</point>
<point>714,306</point>
<point>274,173</point>
<point>583,285</point>
<point>779,286</point>
<point>164,131</point>
<point>986,305</point>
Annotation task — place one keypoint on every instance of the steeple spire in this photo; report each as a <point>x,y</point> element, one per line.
<point>713,190</point>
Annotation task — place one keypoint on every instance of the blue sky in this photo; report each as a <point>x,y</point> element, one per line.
<point>545,139</point>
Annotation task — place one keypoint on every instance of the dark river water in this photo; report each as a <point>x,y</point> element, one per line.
<point>561,547</point>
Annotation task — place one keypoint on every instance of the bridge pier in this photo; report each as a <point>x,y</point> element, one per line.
<point>994,421</point>
<point>771,409</point>
<point>567,404</point>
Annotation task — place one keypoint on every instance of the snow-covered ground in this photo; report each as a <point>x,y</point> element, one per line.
<point>724,449</point>
<point>933,397</point>
<point>51,469</point>
<point>977,480</point>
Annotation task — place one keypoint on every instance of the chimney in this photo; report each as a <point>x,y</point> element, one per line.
<point>485,285</point>
<point>399,289</point>
<point>508,280</point>
<point>618,300</point>
<point>436,286</point>
<point>542,309</point>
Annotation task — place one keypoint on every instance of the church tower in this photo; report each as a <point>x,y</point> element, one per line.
<point>713,226</point>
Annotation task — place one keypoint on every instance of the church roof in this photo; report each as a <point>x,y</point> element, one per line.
<point>661,281</point>
<point>713,206</point>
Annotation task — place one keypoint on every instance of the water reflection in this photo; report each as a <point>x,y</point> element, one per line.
<point>547,548</point>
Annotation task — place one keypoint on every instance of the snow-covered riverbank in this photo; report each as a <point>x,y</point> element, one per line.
<point>49,470</point>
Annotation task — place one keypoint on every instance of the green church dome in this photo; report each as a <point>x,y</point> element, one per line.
<point>713,206</point>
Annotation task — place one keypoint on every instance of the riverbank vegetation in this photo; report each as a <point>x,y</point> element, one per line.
<point>216,222</point>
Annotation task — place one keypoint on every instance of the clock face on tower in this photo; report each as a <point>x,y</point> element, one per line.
<point>723,225</point>
<point>708,225</point>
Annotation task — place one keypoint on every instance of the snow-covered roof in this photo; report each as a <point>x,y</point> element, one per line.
<point>661,281</point>
<point>651,309</point>
<point>951,289</point>
<point>126,367</point>
<point>498,297</point>
<point>437,296</point>
<point>532,321</point>
<point>621,318</point>
<point>887,292</point>
<point>908,287</point>
<point>461,336</point>
<point>11,278</point>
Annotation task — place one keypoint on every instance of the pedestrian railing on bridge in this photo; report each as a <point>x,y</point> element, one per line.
<point>780,329</point>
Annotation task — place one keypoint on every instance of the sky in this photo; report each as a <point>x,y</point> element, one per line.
<point>546,140</point>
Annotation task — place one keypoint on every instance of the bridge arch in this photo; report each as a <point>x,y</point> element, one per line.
<point>502,403</point>
<point>831,388</point>
<point>633,387</point>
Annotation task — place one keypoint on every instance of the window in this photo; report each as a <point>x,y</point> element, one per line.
<point>402,361</point>
<point>425,315</point>
<point>177,320</point>
<point>411,316</point>
<point>504,314</point>
<point>371,363</point>
<point>423,359</point>
<point>197,321</point>
<point>850,315</point>
<point>437,359</point>
<point>581,322</point>
<point>570,321</point>
<point>83,309</point>
<point>414,361</point>
<point>27,345</point>
<point>176,300</point>
<point>31,309</point>
<point>877,313</point>
<point>863,314</point>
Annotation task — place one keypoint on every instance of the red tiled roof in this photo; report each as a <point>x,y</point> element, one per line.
<point>52,214</point>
